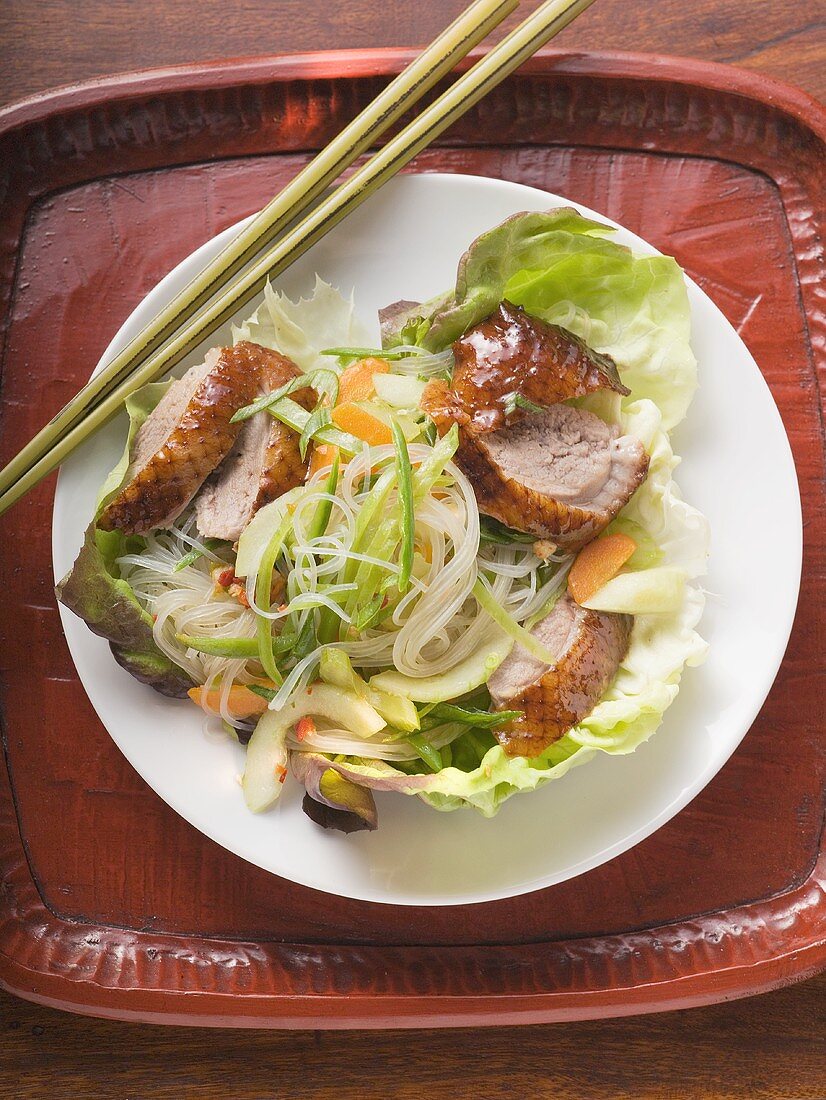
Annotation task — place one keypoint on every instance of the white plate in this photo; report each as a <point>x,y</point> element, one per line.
<point>737,468</point>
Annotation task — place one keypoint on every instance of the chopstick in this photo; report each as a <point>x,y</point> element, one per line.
<point>435,62</point>
<point>547,21</point>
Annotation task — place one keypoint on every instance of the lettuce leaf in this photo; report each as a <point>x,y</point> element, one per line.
<point>560,267</point>
<point>94,590</point>
<point>302,330</point>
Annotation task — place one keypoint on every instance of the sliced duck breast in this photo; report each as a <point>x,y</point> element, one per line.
<point>589,647</point>
<point>510,353</point>
<point>264,462</point>
<point>182,442</point>
<point>562,474</point>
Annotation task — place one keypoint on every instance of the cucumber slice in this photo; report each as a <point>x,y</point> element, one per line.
<point>458,681</point>
<point>267,750</point>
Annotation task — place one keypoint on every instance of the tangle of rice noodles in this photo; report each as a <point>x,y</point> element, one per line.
<point>435,625</point>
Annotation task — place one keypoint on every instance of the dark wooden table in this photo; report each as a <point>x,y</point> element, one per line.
<point>768,1047</point>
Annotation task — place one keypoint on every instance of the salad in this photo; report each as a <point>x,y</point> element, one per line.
<point>451,566</point>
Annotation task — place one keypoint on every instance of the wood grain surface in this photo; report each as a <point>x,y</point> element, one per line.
<point>762,1049</point>
<point>771,1046</point>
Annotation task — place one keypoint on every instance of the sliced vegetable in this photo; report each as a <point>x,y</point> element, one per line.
<point>649,592</point>
<point>401,391</point>
<point>234,648</point>
<point>357,381</point>
<point>647,553</point>
<point>513,401</point>
<point>258,533</point>
<point>335,667</point>
<point>290,413</point>
<point>428,472</point>
<point>242,700</point>
<point>487,602</point>
<point>407,519</point>
<point>195,554</point>
<point>267,400</point>
<point>266,763</point>
<point>369,353</point>
<point>457,681</point>
<point>597,562</point>
<point>332,800</point>
<point>318,524</point>
<point>361,424</point>
<point>263,597</point>
<point>318,419</point>
<point>322,455</point>
<point>346,797</point>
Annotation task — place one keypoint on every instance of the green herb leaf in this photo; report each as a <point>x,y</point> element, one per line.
<point>431,755</point>
<point>491,530</point>
<point>265,692</point>
<point>481,719</point>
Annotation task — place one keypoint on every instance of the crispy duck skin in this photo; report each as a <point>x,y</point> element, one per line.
<point>511,352</point>
<point>264,462</point>
<point>590,646</point>
<point>562,474</point>
<point>197,441</point>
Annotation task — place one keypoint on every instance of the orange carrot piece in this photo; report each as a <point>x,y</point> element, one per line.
<point>596,563</point>
<point>322,455</point>
<point>362,424</point>
<point>356,382</point>
<point>242,702</point>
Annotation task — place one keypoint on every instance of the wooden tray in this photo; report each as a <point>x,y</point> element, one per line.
<point>112,905</point>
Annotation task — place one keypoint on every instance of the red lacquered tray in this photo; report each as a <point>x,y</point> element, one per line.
<point>112,905</point>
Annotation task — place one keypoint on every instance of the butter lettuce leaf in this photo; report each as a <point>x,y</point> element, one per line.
<point>301,330</point>
<point>562,268</point>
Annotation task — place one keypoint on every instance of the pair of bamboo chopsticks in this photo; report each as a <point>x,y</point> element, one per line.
<point>187,320</point>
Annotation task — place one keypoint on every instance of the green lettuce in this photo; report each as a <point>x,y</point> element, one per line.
<point>560,267</point>
<point>94,590</point>
<point>301,330</point>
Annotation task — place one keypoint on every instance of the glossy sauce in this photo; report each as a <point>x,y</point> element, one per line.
<point>511,352</point>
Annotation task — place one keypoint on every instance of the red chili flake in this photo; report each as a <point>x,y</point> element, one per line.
<point>385,602</point>
<point>280,773</point>
<point>225,577</point>
<point>304,727</point>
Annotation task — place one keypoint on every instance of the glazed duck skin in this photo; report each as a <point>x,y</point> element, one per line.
<point>184,439</point>
<point>590,646</point>
<point>511,352</point>
<point>264,462</point>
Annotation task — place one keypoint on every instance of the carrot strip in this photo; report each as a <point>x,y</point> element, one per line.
<point>356,382</point>
<point>323,454</point>
<point>242,702</point>
<point>596,563</point>
<point>362,424</point>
